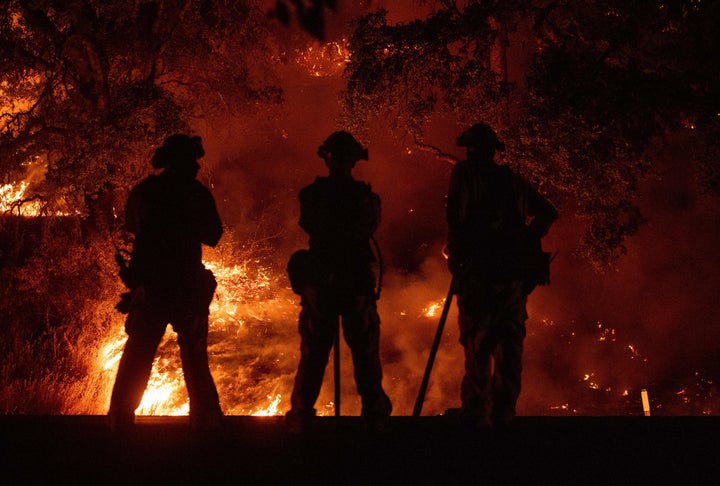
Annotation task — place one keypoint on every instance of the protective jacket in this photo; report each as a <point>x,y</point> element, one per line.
<point>487,209</point>
<point>340,215</point>
<point>171,218</point>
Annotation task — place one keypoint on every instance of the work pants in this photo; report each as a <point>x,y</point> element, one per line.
<point>492,330</point>
<point>145,327</point>
<point>318,325</point>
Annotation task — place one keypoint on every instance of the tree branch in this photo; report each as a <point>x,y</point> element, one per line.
<point>436,151</point>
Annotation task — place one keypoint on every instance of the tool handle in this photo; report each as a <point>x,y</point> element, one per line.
<point>433,351</point>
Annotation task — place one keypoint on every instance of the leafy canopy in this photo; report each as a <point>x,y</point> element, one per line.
<point>600,82</point>
<point>88,87</point>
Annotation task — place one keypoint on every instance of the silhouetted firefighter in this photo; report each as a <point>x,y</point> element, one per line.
<point>335,279</point>
<point>171,215</point>
<point>496,260</point>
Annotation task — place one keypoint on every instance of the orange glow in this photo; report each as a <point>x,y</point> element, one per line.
<point>161,394</point>
<point>433,309</point>
<point>11,200</point>
<point>165,393</point>
<point>324,60</point>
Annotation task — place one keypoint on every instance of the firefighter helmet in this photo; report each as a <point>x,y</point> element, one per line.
<point>480,135</point>
<point>341,142</point>
<point>178,146</point>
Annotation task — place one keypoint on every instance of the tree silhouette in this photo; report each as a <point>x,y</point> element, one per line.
<point>601,80</point>
<point>89,87</point>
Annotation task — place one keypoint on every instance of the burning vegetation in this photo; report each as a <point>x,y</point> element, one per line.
<point>66,360</point>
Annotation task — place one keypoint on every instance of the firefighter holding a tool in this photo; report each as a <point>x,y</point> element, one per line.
<point>336,280</point>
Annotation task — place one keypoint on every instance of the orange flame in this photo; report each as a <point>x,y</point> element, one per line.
<point>12,199</point>
<point>165,393</point>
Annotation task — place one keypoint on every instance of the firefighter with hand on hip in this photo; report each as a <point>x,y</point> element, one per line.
<point>496,220</point>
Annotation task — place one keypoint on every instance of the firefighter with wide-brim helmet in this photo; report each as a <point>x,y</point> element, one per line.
<point>496,260</point>
<point>171,215</point>
<point>336,281</point>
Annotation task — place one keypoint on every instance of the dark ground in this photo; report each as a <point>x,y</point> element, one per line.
<point>428,450</point>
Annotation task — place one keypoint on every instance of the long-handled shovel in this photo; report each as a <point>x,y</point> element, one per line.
<point>336,365</point>
<point>433,351</point>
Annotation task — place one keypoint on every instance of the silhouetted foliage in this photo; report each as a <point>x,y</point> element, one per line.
<point>88,88</point>
<point>601,80</point>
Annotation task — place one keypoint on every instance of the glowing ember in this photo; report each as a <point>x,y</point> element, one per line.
<point>325,60</point>
<point>591,384</point>
<point>635,354</point>
<point>563,408</point>
<point>433,309</point>
<point>606,334</point>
